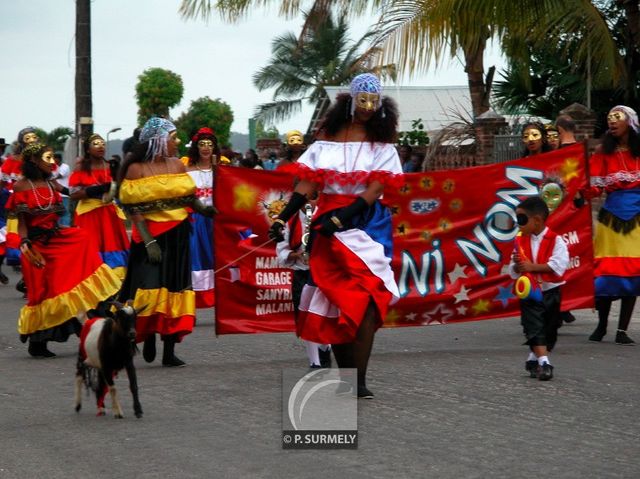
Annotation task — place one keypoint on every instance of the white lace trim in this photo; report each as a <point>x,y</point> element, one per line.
<point>617,177</point>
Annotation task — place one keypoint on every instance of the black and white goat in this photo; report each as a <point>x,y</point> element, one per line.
<point>107,345</point>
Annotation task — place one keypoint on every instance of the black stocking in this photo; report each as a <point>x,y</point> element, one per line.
<point>364,343</point>
<point>626,310</point>
<point>343,354</point>
<point>603,306</point>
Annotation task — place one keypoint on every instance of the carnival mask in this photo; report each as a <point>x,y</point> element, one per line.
<point>552,135</point>
<point>98,143</point>
<point>367,101</point>
<point>29,138</point>
<point>531,134</point>
<point>174,136</point>
<point>295,140</point>
<point>48,157</point>
<point>616,116</point>
<point>205,144</point>
<point>552,195</point>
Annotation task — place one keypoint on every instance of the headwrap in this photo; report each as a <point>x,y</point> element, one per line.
<point>632,116</point>
<point>24,131</point>
<point>34,149</point>
<point>155,131</point>
<point>365,83</point>
<point>202,132</point>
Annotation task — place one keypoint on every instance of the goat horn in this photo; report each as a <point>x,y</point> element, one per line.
<point>117,304</point>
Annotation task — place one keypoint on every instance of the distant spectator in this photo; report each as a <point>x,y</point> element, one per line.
<point>271,162</point>
<point>404,152</point>
<point>251,160</point>
<point>553,137</point>
<point>61,175</point>
<point>567,130</point>
<point>130,142</point>
<point>414,164</point>
<point>3,147</point>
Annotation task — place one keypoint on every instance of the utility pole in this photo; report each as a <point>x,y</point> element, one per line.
<point>84,104</point>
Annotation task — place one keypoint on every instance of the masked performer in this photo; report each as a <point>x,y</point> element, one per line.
<point>11,172</point>
<point>155,191</point>
<point>203,155</point>
<point>615,170</point>
<point>90,185</point>
<point>61,266</point>
<point>534,137</point>
<point>293,148</point>
<point>351,284</point>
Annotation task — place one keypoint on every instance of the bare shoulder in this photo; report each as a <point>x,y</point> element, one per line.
<point>134,171</point>
<point>21,185</point>
<point>599,150</point>
<point>176,165</point>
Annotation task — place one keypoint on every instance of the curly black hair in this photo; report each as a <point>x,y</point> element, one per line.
<point>381,127</point>
<point>194,153</point>
<point>30,155</point>
<point>610,143</point>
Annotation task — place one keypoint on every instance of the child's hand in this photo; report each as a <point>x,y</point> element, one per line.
<point>524,266</point>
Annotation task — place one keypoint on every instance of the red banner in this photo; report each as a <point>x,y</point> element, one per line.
<point>453,238</point>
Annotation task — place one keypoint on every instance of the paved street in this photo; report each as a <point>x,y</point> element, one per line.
<point>451,402</point>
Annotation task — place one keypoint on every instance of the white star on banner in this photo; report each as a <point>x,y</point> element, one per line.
<point>410,317</point>
<point>456,273</point>
<point>462,295</point>
<point>462,310</point>
<point>440,314</point>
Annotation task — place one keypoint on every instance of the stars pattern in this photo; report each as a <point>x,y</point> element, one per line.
<point>456,205</point>
<point>402,229</point>
<point>244,197</point>
<point>444,224</point>
<point>462,310</point>
<point>457,273</point>
<point>410,317</point>
<point>440,314</point>
<point>392,316</point>
<point>505,295</point>
<point>426,235</point>
<point>405,189</point>
<point>462,295</point>
<point>480,306</point>
<point>427,183</point>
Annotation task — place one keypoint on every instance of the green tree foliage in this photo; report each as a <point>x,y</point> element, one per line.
<point>416,137</point>
<point>262,132</point>
<point>157,90</point>
<point>216,114</point>
<point>55,138</point>
<point>301,67</point>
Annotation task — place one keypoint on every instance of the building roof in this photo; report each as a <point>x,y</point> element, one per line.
<point>435,105</point>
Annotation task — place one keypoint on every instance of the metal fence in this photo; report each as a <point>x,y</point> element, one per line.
<point>507,147</point>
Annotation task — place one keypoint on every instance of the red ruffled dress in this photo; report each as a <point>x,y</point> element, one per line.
<point>10,172</point>
<point>617,234</point>
<point>352,267</point>
<point>104,220</point>
<point>74,278</point>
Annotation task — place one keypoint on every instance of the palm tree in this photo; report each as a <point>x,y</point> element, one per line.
<point>301,67</point>
<point>55,138</point>
<point>415,34</point>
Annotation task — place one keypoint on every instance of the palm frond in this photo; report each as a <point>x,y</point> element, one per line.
<point>278,110</point>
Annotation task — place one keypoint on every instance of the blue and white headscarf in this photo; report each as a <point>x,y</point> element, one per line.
<point>365,83</point>
<point>156,131</point>
<point>632,116</point>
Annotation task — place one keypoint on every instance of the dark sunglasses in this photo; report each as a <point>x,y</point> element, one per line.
<point>522,219</point>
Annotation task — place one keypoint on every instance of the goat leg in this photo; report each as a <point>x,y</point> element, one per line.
<point>133,386</point>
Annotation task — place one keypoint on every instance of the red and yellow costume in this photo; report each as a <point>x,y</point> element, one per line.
<point>161,292</point>
<point>73,279</point>
<point>104,220</point>
<point>617,235</point>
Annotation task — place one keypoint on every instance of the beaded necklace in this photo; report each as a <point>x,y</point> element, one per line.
<point>38,195</point>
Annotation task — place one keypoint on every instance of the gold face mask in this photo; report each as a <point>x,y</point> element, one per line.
<point>174,136</point>
<point>367,101</point>
<point>616,116</point>
<point>552,135</point>
<point>552,195</point>
<point>29,138</point>
<point>205,144</point>
<point>98,143</point>
<point>531,134</point>
<point>47,157</point>
<point>295,140</point>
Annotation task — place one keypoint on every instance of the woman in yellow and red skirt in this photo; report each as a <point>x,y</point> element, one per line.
<point>61,266</point>
<point>90,186</point>
<point>155,191</point>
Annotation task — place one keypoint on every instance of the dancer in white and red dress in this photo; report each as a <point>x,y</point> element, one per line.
<point>351,284</point>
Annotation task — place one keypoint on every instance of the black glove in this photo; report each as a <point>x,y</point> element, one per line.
<point>97,191</point>
<point>578,200</point>
<point>114,166</point>
<point>341,219</point>
<point>296,202</point>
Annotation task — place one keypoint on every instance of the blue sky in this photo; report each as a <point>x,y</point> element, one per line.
<point>215,59</point>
